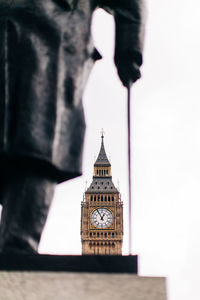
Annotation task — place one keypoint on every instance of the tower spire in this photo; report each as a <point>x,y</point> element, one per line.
<point>102,159</point>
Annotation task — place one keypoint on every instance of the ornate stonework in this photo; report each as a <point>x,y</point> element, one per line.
<point>102,212</point>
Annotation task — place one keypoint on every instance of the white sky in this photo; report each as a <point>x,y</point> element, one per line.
<point>165,142</point>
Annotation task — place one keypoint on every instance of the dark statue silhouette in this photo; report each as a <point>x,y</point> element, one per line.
<point>46,54</point>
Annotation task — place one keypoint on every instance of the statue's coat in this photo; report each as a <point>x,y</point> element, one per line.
<point>46,54</point>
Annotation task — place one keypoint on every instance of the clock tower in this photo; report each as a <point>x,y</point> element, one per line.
<point>102,212</point>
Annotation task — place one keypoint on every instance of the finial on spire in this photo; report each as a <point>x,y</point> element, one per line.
<point>102,134</point>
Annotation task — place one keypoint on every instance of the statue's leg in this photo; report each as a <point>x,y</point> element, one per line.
<point>26,200</point>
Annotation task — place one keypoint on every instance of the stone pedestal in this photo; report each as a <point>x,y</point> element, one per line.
<point>38,277</point>
<point>79,286</point>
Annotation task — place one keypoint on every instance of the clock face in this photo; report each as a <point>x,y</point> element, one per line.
<point>101,218</point>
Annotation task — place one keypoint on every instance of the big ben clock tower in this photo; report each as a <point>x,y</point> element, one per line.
<point>102,212</point>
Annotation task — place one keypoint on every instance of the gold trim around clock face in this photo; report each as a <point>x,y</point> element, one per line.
<point>101,218</point>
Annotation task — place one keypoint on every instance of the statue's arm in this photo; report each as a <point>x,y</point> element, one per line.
<point>129,38</point>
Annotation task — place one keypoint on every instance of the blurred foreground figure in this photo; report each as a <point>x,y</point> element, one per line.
<point>46,54</point>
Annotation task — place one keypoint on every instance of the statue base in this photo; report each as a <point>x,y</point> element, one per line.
<point>47,277</point>
<point>69,263</point>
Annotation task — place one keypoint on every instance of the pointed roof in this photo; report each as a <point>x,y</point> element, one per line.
<point>102,159</point>
<point>102,185</point>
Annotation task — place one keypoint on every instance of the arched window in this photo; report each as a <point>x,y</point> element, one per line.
<point>105,198</point>
<point>98,197</point>
<point>105,234</point>
<point>101,198</point>
<point>94,198</point>
<point>108,198</point>
<point>112,198</point>
<point>97,234</point>
<point>90,233</point>
<point>113,234</point>
<point>91,198</point>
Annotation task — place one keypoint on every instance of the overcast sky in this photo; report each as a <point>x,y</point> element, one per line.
<point>165,142</point>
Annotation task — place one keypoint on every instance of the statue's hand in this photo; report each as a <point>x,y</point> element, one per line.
<point>128,67</point>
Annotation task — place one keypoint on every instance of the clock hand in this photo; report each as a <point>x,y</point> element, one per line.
<point>98,212</point>
<point>102,217</point>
